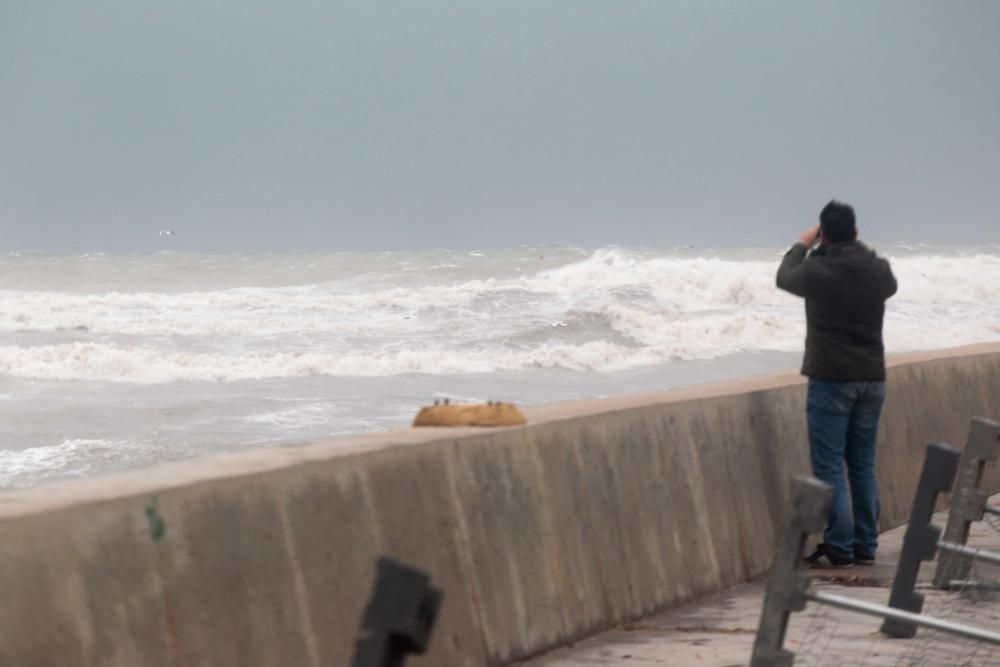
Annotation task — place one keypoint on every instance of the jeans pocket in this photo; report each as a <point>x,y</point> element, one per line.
<point>876,390</point>
<point>830,396</point>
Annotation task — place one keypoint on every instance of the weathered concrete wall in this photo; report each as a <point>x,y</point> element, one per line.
<point>596,513</point>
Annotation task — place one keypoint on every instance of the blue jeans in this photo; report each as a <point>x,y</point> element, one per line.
<point>843,427</point>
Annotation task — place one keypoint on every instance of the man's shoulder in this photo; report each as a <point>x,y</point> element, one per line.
<point>853,252</point>
<point>871,252</point>
<point>877,260</point>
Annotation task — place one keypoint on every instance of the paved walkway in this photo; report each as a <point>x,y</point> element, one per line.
<point>719,632</point>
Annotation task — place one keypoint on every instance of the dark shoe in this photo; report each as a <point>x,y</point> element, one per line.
<point>822,558</point>
<point>864,559</point>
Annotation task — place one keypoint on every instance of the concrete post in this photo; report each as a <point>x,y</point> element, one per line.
<point>921,539</point>
<point>786,584</point>
<point>968,502</point>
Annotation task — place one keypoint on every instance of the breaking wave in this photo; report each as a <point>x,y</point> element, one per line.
<point>613,310</point>
<point>68,458</point>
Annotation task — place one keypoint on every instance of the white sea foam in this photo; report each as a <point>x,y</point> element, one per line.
<point>326,338</point>
<point>616,309</point>
<point>111,363</point>
<point>299,416</point>
<point>68,458</point>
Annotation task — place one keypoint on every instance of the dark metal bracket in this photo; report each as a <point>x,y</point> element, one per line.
<point>399,617</point>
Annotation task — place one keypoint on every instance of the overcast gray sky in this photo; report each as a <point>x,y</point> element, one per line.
<point>248,124</point>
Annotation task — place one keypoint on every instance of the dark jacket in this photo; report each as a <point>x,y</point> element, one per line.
<point>845,286</point>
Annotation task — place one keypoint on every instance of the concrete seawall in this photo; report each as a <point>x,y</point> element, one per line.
<point>595,513</point>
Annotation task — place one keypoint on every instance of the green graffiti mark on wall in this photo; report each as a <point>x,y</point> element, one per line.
<point>157,526</point>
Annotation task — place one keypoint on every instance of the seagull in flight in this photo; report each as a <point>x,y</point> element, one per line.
<point>167,232</point>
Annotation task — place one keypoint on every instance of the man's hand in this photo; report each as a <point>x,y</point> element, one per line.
<point>810,237</point>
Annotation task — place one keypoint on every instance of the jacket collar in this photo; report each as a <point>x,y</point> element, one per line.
<point>834,249</point>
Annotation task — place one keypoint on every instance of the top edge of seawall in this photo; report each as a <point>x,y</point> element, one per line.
<point>200,470</point>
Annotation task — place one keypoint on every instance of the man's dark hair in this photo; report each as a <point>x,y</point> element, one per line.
<point>837,221</point>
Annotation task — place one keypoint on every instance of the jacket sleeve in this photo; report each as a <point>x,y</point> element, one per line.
<point>792,272</point>
<point>889,284</point>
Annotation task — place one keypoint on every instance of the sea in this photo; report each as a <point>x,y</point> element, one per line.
<point>111,362</point>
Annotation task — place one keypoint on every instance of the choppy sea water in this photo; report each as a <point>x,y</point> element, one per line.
<point>111,362</point>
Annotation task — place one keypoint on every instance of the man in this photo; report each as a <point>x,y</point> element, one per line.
<point>845,285</point>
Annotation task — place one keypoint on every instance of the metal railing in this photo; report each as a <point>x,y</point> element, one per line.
<point>969,503</point>
<point>789,590</point>
<point>923,540</point>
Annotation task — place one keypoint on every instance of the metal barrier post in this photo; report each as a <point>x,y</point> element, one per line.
<point>921,538</point>
<point>399,617</point>
<point>786,585</point>
<point>968,502</point>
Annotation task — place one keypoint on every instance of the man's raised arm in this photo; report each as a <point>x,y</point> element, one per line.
<point>791,273</point>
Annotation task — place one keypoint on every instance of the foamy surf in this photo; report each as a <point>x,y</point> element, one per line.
<point>225,349</point>
<point>70,458</point>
